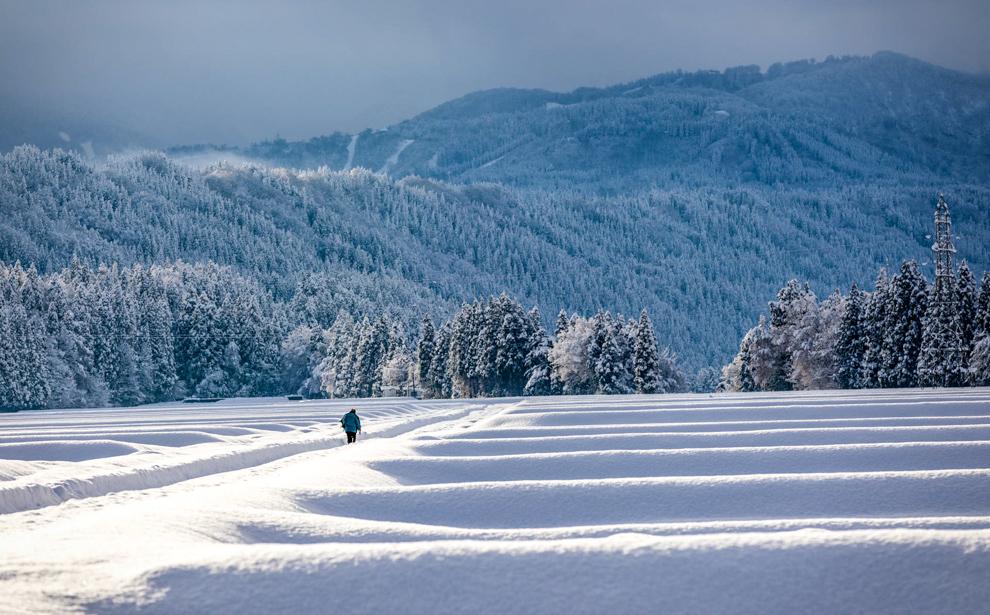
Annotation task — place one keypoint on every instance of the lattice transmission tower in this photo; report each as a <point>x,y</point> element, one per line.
<point>943,248</point>
<point>947,337</point>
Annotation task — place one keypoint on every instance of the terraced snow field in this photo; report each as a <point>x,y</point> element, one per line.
<point>854,501</point>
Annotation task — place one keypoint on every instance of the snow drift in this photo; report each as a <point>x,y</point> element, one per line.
<point>779,503</point>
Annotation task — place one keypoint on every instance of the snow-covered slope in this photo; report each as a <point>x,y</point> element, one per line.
<point>875,501</point>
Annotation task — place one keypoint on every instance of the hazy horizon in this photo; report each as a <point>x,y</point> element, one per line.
<point>225,72</point>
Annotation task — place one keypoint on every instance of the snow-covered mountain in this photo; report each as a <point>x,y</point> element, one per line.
<point>801,123</point>
<point>695,195</point>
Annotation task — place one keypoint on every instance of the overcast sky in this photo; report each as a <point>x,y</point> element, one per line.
<point>226,71</point>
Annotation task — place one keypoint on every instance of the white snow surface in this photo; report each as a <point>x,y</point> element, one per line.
<point>828,502</point>
<point>394,158</point>
<point>351,149</point>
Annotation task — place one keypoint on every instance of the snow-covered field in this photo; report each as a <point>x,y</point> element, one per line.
<point>875,501</point>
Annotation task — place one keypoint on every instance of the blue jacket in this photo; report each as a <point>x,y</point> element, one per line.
<point>351,422</point>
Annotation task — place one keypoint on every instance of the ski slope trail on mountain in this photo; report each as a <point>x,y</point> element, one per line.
<point>846,501</point>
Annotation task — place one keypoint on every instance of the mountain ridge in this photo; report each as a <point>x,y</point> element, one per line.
<point>705,121</point>
<point>694,202</point>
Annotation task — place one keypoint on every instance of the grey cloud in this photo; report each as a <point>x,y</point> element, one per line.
<point>224,71</point>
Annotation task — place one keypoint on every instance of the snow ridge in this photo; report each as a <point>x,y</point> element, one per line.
<point>853,501</point>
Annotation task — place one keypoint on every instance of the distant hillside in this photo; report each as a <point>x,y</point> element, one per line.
<point>702,259</point>
<point>803,123</point>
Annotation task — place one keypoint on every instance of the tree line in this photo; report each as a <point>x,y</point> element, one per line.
<point>95,336</point>
<point>700,254</point>
<point>487,348</point>
<point>907,332</point>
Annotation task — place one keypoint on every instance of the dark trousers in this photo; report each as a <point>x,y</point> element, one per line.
<point>351,437</point>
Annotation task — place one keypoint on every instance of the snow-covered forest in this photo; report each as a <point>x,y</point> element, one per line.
<point>906,333</point>
<point>701,260</point>
<point>91,337</point>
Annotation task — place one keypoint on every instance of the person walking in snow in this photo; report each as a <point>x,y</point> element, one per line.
<point>352,425</point>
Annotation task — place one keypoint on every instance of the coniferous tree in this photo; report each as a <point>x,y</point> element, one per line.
<point>539,379</point>
<point>981,317</point>
<point>910,301</point>
<point>512,348</point>
<point>737,375</point>
<point>602,324</point>
<point>439,375</point>
<point>24,382</point>
<point>563,321</point>
<point>462,360</point>
<point>610,369</point>
<point>646,357</point>
<point>978,369</point>
<point>978,372</point>
<point>424,357</point>
<point>876,325</point>
<point>966,290</point>
<point>850,346</point>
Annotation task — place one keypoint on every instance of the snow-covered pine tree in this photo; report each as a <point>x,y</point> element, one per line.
<point>625,339</point>
<point>763,358</point>
<point>563,321</point>
<point>439,376</point>
<point>978,372</point>
<point>876,319</point>
<point>646,356</point>
<point>335,371</point>
<point>424,358</point>
<point>462,368</point>
<point>601,324</point>
<point>850,346</point>
<point>24,370</point>
<point>512,347</point>
<point>981,317</point>
<point>910,301</point>
<point>966,289</point>
<point>978,369</point>
<point>610,368</point>
<point>367,358</point>
<point>737,375</point>
<point>538,373</point>
<point>158,344</point>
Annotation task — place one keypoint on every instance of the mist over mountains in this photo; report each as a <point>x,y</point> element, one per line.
<point>695,195</point>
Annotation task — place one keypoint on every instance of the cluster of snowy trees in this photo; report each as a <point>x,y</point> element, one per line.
<point>91,337</point>
<point>496,348</point>
<point>488,348</point>
<point>906,333</point>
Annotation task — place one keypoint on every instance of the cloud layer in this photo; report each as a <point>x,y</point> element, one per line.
<point>224,71</point>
